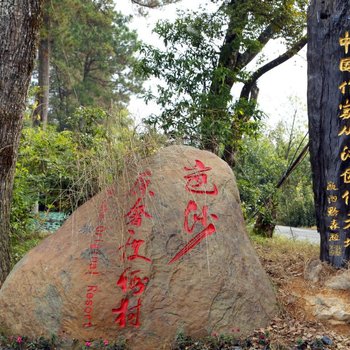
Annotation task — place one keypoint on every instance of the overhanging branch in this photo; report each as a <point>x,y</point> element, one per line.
<point>270,65</point>
<point>263,38</point>
<point>297,161</point>
<point>153,3</point>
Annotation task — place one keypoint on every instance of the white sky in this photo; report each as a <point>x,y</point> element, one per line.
<point>277,87</point>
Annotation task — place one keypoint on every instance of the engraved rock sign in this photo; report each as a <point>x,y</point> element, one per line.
<point>163,251</point>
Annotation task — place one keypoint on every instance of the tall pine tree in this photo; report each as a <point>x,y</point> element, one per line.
<point>86,58</point>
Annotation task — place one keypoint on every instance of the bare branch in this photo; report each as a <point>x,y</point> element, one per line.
<point>250,90</point>
<point>263,38</point>
<point>270,65</point>
<point>153,3</point>
<point>149,4</point>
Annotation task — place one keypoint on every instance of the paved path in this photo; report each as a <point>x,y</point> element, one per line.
<point>298,233</point>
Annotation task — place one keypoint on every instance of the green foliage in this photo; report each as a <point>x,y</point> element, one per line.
<point>296,200</point>
<point>92,57</point>
<point>261,163</point>
<point>186,65</point>
<point>45,155</point>
<point>258,170</point>
<point>205,53</point>
<point>58,171</point>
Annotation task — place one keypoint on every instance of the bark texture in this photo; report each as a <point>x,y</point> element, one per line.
<point>328,21</point>
<point>19,23</point>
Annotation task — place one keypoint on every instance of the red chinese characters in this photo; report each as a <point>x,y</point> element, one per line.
<point>192,217</point>
<point>141,184</point>
<point>127,314</point>
<point>136,214</point>
<point>95,253</point>
<point>197,179</point>
<point>130,250</point>
<point>197,182</point>
<point>132,283</point>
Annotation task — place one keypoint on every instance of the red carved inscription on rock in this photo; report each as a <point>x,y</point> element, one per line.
<point>194,216</point>
<point>131,280</point>
<point>197,179</point>
<point>128,315</point>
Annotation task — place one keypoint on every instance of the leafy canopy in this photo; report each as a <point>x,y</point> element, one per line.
<point>261,163</point>
<point>92,57</point>
<point>204,54</point>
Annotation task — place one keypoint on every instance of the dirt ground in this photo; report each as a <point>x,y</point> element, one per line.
<point>285,261</point>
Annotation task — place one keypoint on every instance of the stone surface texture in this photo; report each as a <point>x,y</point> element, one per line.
<point>313,270</point>
<point>334,310</point>
<point>340,281</point>
<point>329,301</point>
<point>163,251</point>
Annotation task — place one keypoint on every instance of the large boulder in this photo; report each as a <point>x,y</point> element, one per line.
<point>164,251</point>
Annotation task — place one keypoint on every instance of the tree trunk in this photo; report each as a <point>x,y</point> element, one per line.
<point>41,112</point>
<point>230,149</point>
<point>265,222</point>
<point>220,89</point>
<point>232,61</point>
<point>329,124</point>
<point>19,23</point>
